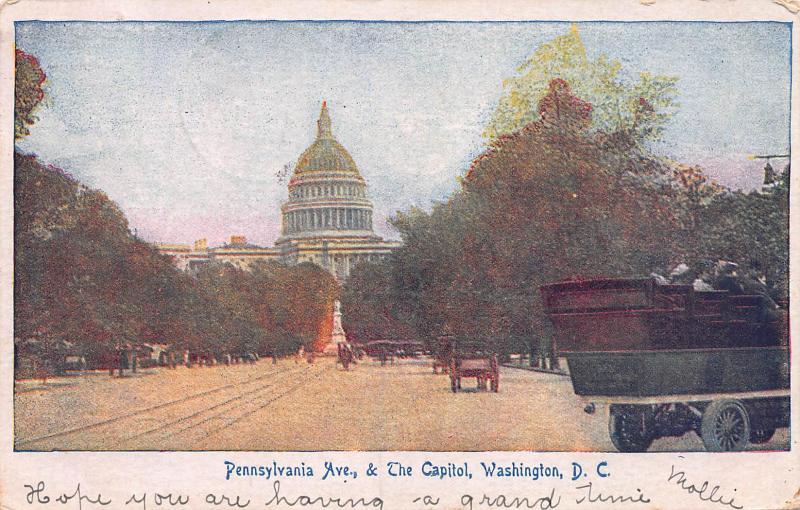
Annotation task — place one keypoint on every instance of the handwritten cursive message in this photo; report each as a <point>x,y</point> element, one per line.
<point>530,486</point>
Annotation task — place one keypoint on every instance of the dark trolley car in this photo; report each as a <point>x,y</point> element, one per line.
<point>668,359</point>
<point>387,350</point>
<point>473,360</point>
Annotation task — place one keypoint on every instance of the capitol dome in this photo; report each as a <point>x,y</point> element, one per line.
<point>327,219</point>
<point>325,154</point>
<point>327,195</point>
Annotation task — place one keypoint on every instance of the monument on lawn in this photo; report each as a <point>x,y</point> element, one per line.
<point>338,335</point>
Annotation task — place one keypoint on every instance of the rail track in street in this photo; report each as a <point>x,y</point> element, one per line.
<point>232,396</point>
<point>251,401</point>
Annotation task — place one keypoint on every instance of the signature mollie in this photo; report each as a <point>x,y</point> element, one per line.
<point>703,491</point>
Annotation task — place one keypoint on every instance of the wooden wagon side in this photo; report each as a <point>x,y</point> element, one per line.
<point>470,360</point>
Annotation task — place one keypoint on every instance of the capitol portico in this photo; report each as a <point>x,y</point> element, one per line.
<point>326,220</point>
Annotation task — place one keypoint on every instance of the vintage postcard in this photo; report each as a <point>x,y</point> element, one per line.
<point>398,255</point>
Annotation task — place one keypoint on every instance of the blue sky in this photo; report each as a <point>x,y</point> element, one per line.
<point>185,125</point>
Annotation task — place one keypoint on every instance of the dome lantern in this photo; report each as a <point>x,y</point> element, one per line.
<point>324,123</point>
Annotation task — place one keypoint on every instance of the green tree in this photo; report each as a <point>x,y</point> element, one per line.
<point>751,229</point>
<point>559,201</point>
<point>639,109</point>
<point>369,302</point>
<point>554,200</point>
<point>694,193</point>
<point>296,303</point>
<point>81,277</point>
<point>29,81</point>
<point>79,274</point>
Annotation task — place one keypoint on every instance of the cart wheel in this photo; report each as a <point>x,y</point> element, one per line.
<point>725,426</point>
<point>761,436</point>
<point>629,428</point>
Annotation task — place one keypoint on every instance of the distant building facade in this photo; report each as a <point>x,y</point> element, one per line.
<point>327,219</point>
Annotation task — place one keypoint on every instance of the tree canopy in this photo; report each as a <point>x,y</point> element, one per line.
<point>553,200</point>
<point>557,199</point>
<point>640,109</point>
<point>81,277</point>
<point>29,81</point>
<point>752,229</point>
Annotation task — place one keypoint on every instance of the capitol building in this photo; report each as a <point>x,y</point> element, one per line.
<point>327,219</point>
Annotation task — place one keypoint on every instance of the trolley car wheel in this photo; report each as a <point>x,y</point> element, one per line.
<point>761,436</point>
<point>629,428</point>
<point>725,426</point>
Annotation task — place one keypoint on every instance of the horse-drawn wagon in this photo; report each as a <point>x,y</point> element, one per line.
<point>473,360</point>
<point>667,360</point>
<point>345,355</point>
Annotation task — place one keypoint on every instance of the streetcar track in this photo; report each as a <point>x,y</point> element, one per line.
<point>218,415</point>
<point>266,403</point>
<point>83,428</point>
<point>207,409</point>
